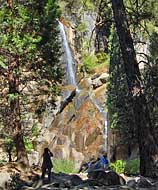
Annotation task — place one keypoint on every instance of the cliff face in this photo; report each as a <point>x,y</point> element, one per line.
<point>78,131</point>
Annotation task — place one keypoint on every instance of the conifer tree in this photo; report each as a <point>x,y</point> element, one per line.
<point>146,137</point>
<point>29,57</point>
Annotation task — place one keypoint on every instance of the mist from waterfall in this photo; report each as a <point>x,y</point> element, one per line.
<point>70,63</point>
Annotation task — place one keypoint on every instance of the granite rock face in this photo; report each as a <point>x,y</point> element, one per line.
<point>77,131</point>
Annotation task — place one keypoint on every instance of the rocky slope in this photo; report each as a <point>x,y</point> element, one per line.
<point>77,132</point>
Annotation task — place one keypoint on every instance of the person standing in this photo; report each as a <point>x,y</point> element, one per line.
<point>47,163</point>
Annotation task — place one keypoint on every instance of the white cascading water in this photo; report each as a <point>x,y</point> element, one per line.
<point>70,63</point>
<point>70,75</point>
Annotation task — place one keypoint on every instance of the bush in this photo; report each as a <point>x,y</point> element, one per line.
<point>129,167</point>
<point>90,62</point>
<point>64,166</point>
<point>118,166</point>
<point>28,145</point>
<point>132,167</point>
<point>82,27</point>
<point>9,146</point>
<point>35,131</point>
<point>93,61</point>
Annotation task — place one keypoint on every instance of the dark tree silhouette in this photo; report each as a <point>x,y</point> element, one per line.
<point>146,138</point>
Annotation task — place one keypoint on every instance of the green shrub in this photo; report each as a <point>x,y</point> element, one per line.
<point>9,146</point>
<point>28,144</point>
<point>64,166</point>
<point>90,62</point>
<point>89,5</point>
<point>118,166</point>
<point>35,131</point>
<point>82,27</point>
<point>132,167</point>
<point>93,61</point>
<point>103,58</point>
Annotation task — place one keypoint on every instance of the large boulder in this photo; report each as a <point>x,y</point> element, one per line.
<point>106,178</point>
<point>144,183</point>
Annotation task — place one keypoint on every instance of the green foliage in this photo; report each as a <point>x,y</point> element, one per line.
<point>119,102</point>
<point>90,62</point>
<point>29,34</point>
<point>114,121</point>
<point>9,147</point>
<point>28,144</point>
<point>118,166</point>
<point>103,58</point>
<point>132,167</point>
<point>35,131</point>
<point>64,166</point>
<point>82,27</point>
<point>12,97</point>
<point>153,48</point>
<point>93,61</point>
<point>9,144</point>
<point>151,79</point>
<point>89,4</point>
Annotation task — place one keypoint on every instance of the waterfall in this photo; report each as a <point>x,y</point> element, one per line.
<point>72,80</point>
<point>69,58</point>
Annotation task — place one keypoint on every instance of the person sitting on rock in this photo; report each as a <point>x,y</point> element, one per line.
<point>47,163</point>
<point>104,161</point>
<point>101,164</point>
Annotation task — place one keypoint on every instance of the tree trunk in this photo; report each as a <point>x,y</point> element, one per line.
<point>147,141</point>
<point>15,121</point>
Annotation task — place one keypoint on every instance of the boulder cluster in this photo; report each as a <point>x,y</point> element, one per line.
<point>13,177</point>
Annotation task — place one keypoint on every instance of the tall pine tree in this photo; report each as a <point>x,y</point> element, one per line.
<point>146,138</point>
<point>29,56</point>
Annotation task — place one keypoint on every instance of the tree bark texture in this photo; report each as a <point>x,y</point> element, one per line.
<point>15,121</point>
<point>146,138</point>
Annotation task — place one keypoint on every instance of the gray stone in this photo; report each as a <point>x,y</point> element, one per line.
<point>105,178</point>
<point>96,83</point>
<point>132,183</point>
<point>4,179</point>
<point>144,183</point>
<point>125,187</point>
